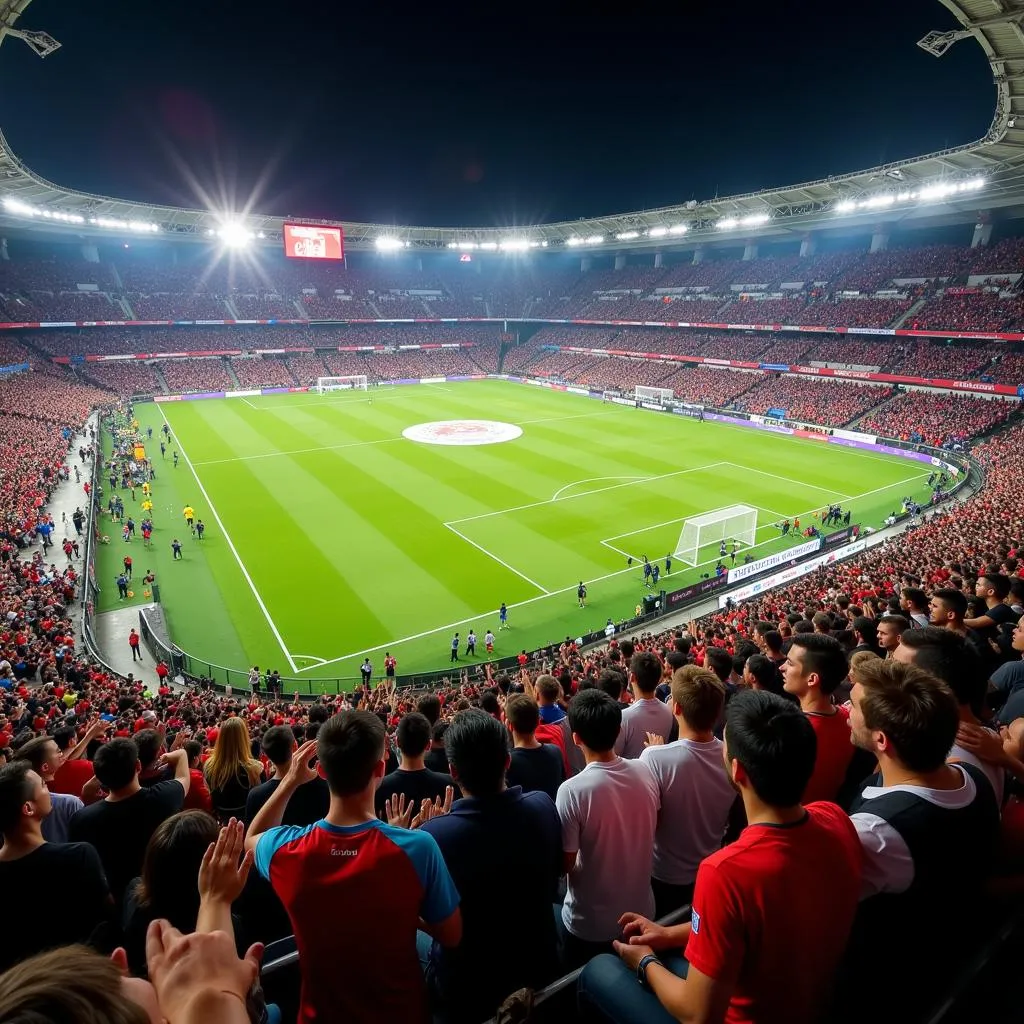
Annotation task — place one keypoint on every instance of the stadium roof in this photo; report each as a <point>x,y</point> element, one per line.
<point>987,174</point>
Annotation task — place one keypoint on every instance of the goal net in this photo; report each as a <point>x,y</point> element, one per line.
<point>354,383</point>
<point>659,396</point>
<point>735,523</point>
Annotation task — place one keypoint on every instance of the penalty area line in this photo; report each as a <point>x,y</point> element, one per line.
<point>500,561</point>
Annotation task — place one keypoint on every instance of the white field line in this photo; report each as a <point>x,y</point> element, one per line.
<point>358,444</point>
<point>554,593</point>
<point>788,480</point>
<point>309,657</point>
<point>500,561</point>
<point>231,545</point>
<point>585,494</point>
<point>592,480</point>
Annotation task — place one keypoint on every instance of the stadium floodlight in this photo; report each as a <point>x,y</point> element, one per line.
<point>679,229</point>
<point>574,241</point>
<point>658,232</point>
<point>514,244</point>
<point>489,246</point>
<point>874,202</point>
<point>625,236</point>
<point>845,206</point>
<point>726,223</point>
<point>234,235</point>
<point>388,243</point>
<point>595,239</point>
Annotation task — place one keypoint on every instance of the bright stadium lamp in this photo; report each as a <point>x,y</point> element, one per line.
<point>387,243</point>
<point>625,236</point>
<point>726,223</point>
<point>234,235</point>
<point>678,229</point>
<point>658,232</point>
<point>845,206</point>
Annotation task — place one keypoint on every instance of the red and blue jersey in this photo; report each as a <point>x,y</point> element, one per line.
<point>355,895</point>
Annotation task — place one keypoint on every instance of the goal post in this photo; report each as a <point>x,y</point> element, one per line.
<point>357,382</point>
<point>658,396</point>
<point>734,523</point>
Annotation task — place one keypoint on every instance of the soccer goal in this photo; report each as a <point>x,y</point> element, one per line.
<point>737,522</point>
<point>354,383</point>
<point>657,396</point>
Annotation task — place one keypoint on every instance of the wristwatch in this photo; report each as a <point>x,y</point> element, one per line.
<point>641,969</point>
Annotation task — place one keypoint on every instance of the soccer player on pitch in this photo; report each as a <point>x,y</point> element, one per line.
<point>503,617</point>
<point>581,594</point>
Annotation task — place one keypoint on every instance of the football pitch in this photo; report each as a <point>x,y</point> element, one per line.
<point>332,536</point>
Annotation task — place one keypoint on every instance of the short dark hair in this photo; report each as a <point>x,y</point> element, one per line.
<point>646,668</point>
<point>947,656</point>
<point>489,702</point>
<point>772,639</point>
<point>764,671</point>
<point>700,695</point>
<point>916,711</point>
<point>148,743</point>
<point>596,718</point>
<point>997,583</point>
<point>915,596</point>
<point>477,746</point>
<point>867,628</point>
<point>824,656</point>
<point>430,706</point>
<point>522,714</point>
<point>953,599</point>
<point>413,735</point>
<point>15,792</point>
<point>901,622</point>
<point>277,743</point>
<point>115,763</point>
<point>612,682</point>
<point>775,744</point>
<point>350,746</point>
<point>34,751</point>
<point>719,661</point>
<point>438,731</point>
<point>318,714</point>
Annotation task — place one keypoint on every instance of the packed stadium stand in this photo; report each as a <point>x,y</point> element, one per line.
<point>201,754</point>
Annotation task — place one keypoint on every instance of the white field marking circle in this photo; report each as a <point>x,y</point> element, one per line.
<point>462,432</point>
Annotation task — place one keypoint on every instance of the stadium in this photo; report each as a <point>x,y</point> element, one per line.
<point>649,493</point>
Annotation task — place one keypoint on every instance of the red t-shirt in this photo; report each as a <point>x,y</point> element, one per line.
<point>834,754</point>
<point>761,899</point>
<point>71,777</point>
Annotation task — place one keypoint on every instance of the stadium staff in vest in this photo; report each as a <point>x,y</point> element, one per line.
<point>928,831</point>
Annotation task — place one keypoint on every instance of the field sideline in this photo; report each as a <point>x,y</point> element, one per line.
<point>331,536</point>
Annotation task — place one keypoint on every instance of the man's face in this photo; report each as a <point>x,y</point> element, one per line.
<point>860,734</point>
<point>40,800</point>
<point>794,675</point>
<point>1017,641</point>
<point>888,636</point>
<point>52,762</point>
<point>938,612</point>
<point>981,588</point>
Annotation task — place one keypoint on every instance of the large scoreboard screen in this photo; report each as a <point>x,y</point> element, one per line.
<point>313,242</point>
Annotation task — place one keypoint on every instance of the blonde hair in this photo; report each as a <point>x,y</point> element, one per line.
<point>859,658</point>
<point>232,755</point>
<point>71,983</point>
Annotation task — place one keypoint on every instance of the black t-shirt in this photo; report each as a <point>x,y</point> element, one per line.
<point>54,896</point>
<point>416,785</point>
<point>437,760</point>
<point>309,803</point>
<point>121,830</point>
<point>537,769</point>
<point>1001,614</point>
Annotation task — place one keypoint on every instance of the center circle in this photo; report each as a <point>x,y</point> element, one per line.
<point>462,432</point>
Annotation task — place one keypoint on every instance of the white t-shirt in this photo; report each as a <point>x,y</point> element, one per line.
<point>696,797</point>
<point>888,863</point>
<point>609,814</point>
<point>994,774</point>
<point>648,714</point>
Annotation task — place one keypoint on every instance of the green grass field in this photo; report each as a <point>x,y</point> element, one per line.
<point>331,536</point>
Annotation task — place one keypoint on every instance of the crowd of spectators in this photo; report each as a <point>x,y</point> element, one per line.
<point>125,377</point>
<point>865,312</point>
<point>192,375</point>
<point>584,768</point>
<point>832,403</point>
<point>936,419</point>
<point>262,372</point>
<point>986,311</point>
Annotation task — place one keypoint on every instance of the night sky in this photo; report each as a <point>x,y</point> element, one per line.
<point>478,114</point>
